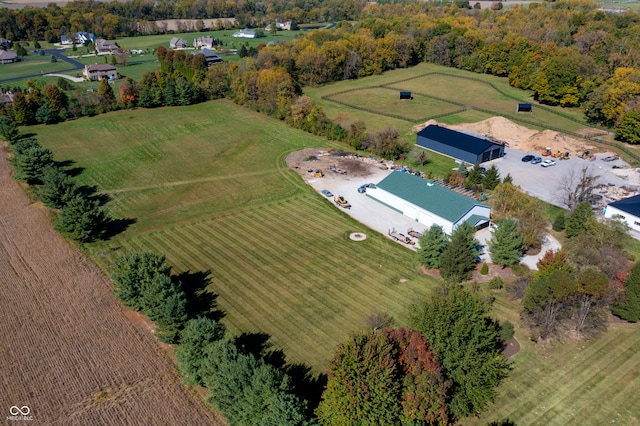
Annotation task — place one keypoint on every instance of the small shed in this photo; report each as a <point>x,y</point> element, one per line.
<point>405,95</point>
<point>524,108</point>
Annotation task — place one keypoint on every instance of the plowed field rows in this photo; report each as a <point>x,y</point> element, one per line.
<point>68,351</point>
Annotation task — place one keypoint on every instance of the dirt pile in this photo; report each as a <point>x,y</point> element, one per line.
<point>517,136</point>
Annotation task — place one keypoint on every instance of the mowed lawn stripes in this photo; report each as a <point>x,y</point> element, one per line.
<point>577,382</point>
<point>301,281</point>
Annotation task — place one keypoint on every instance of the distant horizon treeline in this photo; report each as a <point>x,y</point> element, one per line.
<point>566,53</point>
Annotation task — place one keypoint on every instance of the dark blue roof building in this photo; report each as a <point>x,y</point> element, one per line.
<point>460,146</point>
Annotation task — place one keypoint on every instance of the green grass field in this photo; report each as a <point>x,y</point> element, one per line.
<point>485,95</point>
<point>214,194</point>
<point>208,186</point>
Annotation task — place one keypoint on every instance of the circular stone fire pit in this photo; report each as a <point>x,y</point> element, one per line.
<point>358,236</point>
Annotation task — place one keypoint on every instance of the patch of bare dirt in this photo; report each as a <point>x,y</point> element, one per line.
<point>69,352</point>
<point>505,274</point>
<point>331,163</point>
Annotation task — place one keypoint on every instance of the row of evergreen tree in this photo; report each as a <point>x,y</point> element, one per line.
<point>445,368</point>
<point>245,388</point>
<point>79,214</point>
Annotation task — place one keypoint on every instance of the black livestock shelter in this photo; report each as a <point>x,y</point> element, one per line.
<point>524,108</point>
<point>405,95</point>
<point>459,145</point>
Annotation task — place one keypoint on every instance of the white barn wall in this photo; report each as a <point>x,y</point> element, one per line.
<point>411,210</point>
<point>629,219</point>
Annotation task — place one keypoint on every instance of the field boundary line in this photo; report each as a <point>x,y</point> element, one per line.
<point>594,138</point>
<point>184,182</point>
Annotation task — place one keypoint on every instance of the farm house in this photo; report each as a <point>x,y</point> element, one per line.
<point>460,146</point>
<point>627,209</point>
<point>428,203</point>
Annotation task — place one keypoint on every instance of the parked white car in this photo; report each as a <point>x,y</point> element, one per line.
<point>548,163</point>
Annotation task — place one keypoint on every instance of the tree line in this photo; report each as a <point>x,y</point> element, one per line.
<point>567,53</point>
<point>126,19</point>
<point>78,212</point>
<point>445,367</point>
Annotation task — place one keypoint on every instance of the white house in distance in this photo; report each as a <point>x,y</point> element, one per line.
<point>246,33</point>
<point>428,203</point>
<point>627,209</point>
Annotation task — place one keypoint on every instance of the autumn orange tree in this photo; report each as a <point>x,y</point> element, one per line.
<point>129,93</point>
<point>384,377</point>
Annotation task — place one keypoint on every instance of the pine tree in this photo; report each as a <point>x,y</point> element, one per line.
<point>507,243</point>
<point>491,178</point>
<point>459,258</point>
<point>248,391</point>
<point>172,316</point>
<point>465,340</point>
<point>195,339</point>
<point>131,273</point>
<point>106,92</point>
<point>475,175</point>
<point>57,187</point>
<point>29,160</point>
<point>580,220</point>
<point>629,309</point>
<point>82,220</point>
<point>432,244</point>
<point>559,223</point>
<point>44,115</point>
<point>9,130</point>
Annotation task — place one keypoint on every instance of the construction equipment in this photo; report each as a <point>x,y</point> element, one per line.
<point>557,154</point>
<point>546,152</point>
<point>342,202</point>
<point>318,173</point>
<point>565,156</point>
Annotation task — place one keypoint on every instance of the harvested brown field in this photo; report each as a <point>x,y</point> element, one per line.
<point>69,353</point>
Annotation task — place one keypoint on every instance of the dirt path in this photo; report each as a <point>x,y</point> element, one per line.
<point>69,353</point>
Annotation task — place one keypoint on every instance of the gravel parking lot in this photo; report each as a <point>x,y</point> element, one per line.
<point>379,218</point>
<point>544,182</point>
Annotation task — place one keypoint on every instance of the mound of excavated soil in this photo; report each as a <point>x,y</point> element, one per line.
<point>517,136</point>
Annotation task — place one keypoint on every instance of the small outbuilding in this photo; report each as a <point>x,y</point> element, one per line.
<point>524,108</point>
<point>458,145</point>
<point>428,203</point>
<point>627,209</point>
<point>405,95</point>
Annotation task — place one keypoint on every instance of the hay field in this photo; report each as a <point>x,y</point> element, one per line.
<point>70,352</point>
